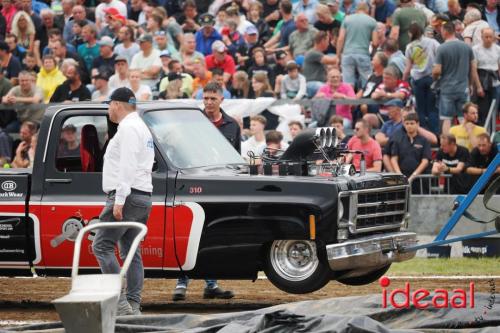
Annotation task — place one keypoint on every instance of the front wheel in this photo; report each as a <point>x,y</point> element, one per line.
<point>295,267</point>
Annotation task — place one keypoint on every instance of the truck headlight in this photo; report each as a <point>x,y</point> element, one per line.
<point>340,209</point>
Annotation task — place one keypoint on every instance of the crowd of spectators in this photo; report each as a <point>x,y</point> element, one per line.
<point>425,73</point>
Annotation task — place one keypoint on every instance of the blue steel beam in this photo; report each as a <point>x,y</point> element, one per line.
<point>448,241</point>
<point>467,201</point>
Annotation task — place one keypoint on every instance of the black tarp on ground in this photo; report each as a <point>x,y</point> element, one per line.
<point>362,314</point>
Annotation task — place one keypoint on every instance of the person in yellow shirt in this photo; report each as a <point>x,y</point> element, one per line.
<point>467,133</point>
<point>49,77</point>
<point>175,66</point>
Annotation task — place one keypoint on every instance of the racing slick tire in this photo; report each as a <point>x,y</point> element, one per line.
<point>365,279</point>
<point>296,266</point>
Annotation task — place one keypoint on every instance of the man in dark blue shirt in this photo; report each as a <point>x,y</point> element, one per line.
<point>411,152</point>
<point>206,35</point>
<point>11,65</point>
<point>382,9</point>
<point>390,127</point>
<point>288,25</point>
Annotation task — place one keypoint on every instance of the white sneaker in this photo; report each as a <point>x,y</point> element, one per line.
<point>136,308</point>
<point>124,308</point>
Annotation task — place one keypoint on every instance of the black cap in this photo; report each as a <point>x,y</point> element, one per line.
<point>280,54</point>
<point>207,19</point>
<point>174,76</point>
<point>443,17</point>
<point>4,46</point>
<point>103,75</point>
<point>122,94</point>
<point>69,127</point>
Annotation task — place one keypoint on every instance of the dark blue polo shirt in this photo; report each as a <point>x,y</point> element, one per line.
<point>384,11</point>
<point>389,128</point>
<point>286,30</point>
<point>204,44</point>
<point>410,152</point>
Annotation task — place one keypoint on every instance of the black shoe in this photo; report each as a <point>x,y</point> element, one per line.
<point>217,293</point>
<point>179,294</point>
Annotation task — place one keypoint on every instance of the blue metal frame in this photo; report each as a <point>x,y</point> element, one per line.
<point>463,204</point>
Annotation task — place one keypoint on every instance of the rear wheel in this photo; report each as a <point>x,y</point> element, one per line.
<point>367,278</point>
<point>296,266</point>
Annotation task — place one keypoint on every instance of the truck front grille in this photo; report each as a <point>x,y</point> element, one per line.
<point>377,209</point>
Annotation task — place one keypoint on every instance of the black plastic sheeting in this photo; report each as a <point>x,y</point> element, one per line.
<point>362,314</point>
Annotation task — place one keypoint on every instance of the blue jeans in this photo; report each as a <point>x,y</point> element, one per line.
<point>183,282</point>
<point>426,104</point>
<point>312,88</point>
<point>353,64</point>
<point>450,105</point>
<point>136,209</point>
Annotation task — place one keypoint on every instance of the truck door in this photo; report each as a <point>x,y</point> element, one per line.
<point>72,194</point>
<point>184,223</point>
<point>19,230</point>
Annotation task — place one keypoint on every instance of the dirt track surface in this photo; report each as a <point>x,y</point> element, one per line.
<point>29,299</point>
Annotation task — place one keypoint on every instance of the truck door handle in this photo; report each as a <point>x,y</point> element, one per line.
<point>58,180</point>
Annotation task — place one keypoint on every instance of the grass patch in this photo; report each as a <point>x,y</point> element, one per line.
<point>452,266</point>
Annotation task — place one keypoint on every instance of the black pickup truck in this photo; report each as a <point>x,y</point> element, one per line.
<point>214,215</point>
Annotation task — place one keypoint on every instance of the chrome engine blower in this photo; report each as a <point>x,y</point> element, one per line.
<point>314,151</point>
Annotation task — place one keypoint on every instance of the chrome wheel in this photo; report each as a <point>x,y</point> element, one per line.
<point>294,260</point>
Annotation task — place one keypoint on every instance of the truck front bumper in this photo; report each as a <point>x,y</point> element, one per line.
<point>376,250</point>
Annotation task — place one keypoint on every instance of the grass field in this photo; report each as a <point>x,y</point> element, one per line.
<point>452,266</point>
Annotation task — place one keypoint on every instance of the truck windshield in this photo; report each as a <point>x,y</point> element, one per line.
<point>189,139</point>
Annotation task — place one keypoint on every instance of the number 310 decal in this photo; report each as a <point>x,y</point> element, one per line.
<point>195,190</point>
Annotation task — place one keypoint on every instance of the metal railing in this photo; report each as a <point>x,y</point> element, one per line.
<point>491,119</point>
<point>431,184</point>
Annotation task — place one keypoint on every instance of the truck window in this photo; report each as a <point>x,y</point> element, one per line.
<point>81,142</point>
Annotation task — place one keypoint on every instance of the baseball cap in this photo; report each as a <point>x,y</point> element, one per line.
<point>280,54</point>
<point>442,17</point>
<point>218,46</point>
<point>331,2</point>
<point>69,127</point>
<point>394,102</point>
<point>251,30</point>
<point>299,60</point>
<point>165,53</point>
<point>161,33</point>
<point>146,38</point>
<point>112,11</point>
<point>120,18</point>
<point>291,65</point>
<point>174,76</point>
<point>122,94</point>
<point>121,58</point>
<point>207,19</point>
<point>106,41</point>
<point>103,75</point>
